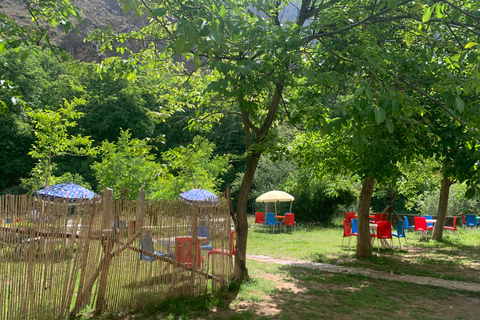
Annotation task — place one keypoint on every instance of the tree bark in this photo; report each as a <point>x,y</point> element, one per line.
<point>364,246</point>
<point>442,208</point>
<point>240,271</point>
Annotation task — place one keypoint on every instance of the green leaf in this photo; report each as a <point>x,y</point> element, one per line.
<point>359,91</point>
<point>470,193</point>
<point>196,60</point>
<point>395,107</point>
<point>380,115</point>
<point>392,4</point>
<point>179,44</point>
<point>459,103</point>
<point>427,15</point>
<point>159,12</point>
<point>234,7</point>
<point>126,6</point>
<point>358,143</point>
<point>24,56</point>
<point>368,92</point>
<point>389,124</point>
<point>470,44</point>
<point>216,34</point>
<point>439,11</point>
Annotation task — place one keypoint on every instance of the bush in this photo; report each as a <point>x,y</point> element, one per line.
<point>457,203</point>
<point>319,204</point>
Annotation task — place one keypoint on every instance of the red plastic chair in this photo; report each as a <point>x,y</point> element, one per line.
<point>380,217</point>
<point>259,217</point>
<point>384,231</point>
<point>464,219</point>
<point>349,216</point>
<point>289,221</point>
<point>226,252</point>
<point>454,227</point>
<point>347,232</point>
<point>184,254</point>
<point>421,226</point>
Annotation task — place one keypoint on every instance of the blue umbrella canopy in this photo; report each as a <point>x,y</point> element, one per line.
<point>198,195</point>
<point>65,191</point>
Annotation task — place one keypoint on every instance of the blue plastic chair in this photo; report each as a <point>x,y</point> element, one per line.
<point>271,221</point>
<point>354,225</point>
<point>400,233</point>
<point>202,231</point>
<point>429,224</point>
<point>407,225</point>
<point>471,220</point>
<point>147,245</point>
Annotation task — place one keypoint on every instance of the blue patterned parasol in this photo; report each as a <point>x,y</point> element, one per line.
<point>199,195</point>
<point>65,191</point>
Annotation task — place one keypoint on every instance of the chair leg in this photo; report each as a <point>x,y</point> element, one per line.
<point>342,242</point>
<point>399,243</point>
<point>349,239</point>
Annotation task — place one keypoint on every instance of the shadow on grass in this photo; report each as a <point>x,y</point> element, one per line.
<point>177,308</point>
<point>452,262</point>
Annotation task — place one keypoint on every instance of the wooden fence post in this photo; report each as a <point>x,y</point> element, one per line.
<point>107,236</point>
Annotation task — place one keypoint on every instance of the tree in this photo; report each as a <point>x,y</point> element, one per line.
<point>256,58</point>
<point>53,140</point>
<point>130,163</point>
<point>36,36</point>
<point>195,166</point>
<point>126,163</point>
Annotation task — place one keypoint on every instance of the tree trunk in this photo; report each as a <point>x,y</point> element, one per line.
<point>442,208</point>
<point>240,271</point>
<point>364,246</point>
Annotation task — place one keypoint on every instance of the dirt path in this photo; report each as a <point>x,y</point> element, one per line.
<point>457,285</point>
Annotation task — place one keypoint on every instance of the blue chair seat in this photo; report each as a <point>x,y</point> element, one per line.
<point>206,247</point>
<point>400,233</point>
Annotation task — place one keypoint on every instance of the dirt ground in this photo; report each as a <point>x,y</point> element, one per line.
<point>294,293</point>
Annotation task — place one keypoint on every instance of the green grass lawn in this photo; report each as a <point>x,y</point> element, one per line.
<point>287,292</point>
<point>454,258</point>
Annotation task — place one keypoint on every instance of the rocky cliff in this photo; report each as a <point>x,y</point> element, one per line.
<point>96,14</point>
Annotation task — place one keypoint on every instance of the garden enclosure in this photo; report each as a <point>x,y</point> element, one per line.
<point>59,258</point>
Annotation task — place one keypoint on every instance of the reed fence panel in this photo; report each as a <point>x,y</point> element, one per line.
<point>58,258</point>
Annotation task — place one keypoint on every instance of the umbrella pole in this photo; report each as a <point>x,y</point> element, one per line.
<point>291,202</point>
<point>276,208</point>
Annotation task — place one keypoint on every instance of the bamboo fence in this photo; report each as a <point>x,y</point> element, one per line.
<point>60,258</point>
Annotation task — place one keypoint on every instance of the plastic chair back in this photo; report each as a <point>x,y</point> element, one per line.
<point>407,225</point>
<point>378,217</point>
<point>471,220</point>
<point>347,229</point>
<point>401,229</point>
<point>289,219</point>
<point>429,224</point>
<point>384,230</point>
<point>464,219</point>
<point>147,245</point>
<point>354,226</point>
<point>259,217</point>
<point>349,216</point>
<point>270,219</point>
<point>454,225</point>
<point>202,231</point>
<point>420,224</point>
<point>184,254</point>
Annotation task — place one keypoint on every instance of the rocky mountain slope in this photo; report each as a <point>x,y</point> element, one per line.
<point>96,14</point>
